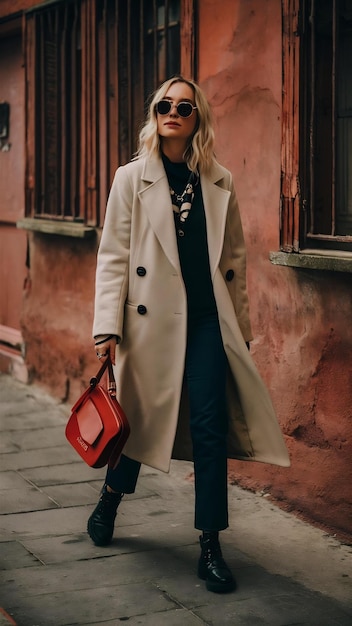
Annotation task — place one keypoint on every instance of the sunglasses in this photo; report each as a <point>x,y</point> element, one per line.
<point>184,109</point>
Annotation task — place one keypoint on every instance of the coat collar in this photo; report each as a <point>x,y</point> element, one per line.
<point>153,169</point>
<point>155,199</point>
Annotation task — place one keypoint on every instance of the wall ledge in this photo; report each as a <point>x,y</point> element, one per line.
<point>327,260</point>
<point>53,227</point>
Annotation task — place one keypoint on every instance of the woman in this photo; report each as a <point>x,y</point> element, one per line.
<point>171,305</point>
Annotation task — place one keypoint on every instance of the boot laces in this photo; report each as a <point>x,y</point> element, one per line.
<point>109,502</point>
<point>214,552</point>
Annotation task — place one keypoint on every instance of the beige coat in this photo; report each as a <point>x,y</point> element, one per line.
<point>140,296</point>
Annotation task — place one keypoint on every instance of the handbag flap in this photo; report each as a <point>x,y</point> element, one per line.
<point>89,422</point>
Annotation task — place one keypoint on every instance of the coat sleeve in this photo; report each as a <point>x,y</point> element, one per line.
<point>237,253</point>
<point>111,282</point>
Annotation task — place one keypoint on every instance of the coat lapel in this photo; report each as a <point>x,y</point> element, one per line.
<point>216,201</point>
<point>155,200</point>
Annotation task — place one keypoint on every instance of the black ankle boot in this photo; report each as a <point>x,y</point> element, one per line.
<point>101,522</point>
<point>212,567</point>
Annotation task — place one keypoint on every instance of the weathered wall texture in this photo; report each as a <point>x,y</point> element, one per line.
<point>57,313</point>
<point>301,318</point>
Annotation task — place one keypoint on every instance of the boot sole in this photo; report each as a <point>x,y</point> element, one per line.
<point>217,587</point>
<point>220,587</point>
<point>97,542</point>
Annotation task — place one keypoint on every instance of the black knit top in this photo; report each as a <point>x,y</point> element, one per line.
<point>193,246</point>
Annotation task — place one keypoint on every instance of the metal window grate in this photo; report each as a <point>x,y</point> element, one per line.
<point>317,125</point>
<point>57,80</point>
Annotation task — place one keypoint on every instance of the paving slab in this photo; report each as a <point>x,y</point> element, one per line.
<point>116,569</point>
<point>77,494</point>
<point>28,419</point>
<point>7,444</point>
<point>293,609</point>
<point>12,480</point>
<point>175,617</point>
<point>44,523</point>
<point>44,457</point>
<point>13,556</point>
<point>39,437</point>
<point>16,410</point>
<point>23,500</point>
<point>62,548</point>
<point>284,544</point>
<point>98,603</point>
<point>67,473</point>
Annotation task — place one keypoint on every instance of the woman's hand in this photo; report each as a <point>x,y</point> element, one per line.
<point>106,347</point>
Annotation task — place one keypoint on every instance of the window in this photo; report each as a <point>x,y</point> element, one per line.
<point>53,64</point>
<point>162,42</point>
<point>155,40</point>
<point>317,125</point>
<point>90,66</point>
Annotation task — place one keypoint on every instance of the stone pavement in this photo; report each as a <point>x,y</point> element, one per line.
<point>289,573</point>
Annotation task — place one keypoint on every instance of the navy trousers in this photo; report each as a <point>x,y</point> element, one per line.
<point>205,371</point>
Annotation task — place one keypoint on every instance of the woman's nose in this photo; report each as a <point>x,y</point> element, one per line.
<point>172,111</point>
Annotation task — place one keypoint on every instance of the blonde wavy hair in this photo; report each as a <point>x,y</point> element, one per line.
<point>199,153</point>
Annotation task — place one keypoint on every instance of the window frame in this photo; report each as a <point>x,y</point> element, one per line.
<point>297,158</point>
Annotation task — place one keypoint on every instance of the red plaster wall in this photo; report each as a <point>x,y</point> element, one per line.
<point>303,337</point>
<point>57,313</point>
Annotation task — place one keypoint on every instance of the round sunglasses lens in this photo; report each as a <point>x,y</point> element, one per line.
<point>184,109</point>
<point>163,107</point>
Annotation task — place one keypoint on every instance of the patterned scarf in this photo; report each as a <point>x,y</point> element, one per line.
<point>182,204</point>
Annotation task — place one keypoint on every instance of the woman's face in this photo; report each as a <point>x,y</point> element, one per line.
<point>172,125</point>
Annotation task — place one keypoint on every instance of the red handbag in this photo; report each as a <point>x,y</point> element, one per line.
<point>98,427</point>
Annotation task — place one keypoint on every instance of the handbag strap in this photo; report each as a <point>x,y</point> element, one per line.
<point>96,379</point>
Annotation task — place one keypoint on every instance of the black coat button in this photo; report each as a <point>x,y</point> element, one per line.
<point>229,275</point>
<point>141,309</point>
<point>141,271</point>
